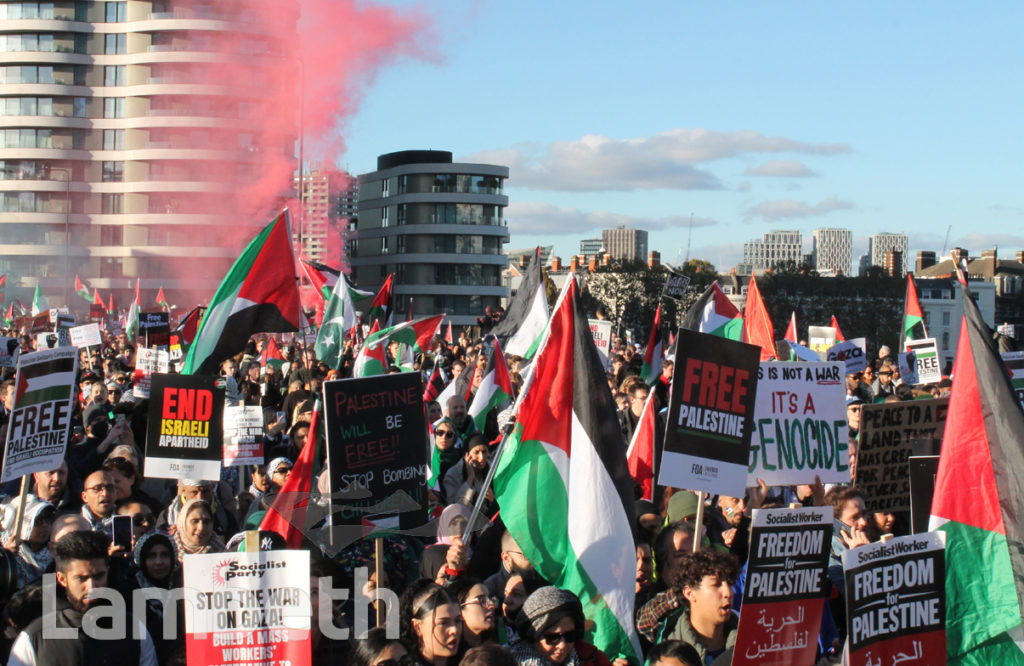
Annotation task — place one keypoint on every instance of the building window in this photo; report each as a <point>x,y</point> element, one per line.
<point>945,341</point>
<point>112,204</point>
<point>79,107</point>
<point>114,75</point>
<point>115,44</point>
<point>385,187</point>
<point>945,318</point>
<point>113,172</point>
<point>116,12</point>
<point>113,139</point>
<point>384,216</point>
<point>384,245</point>
<point>113,107</point>
<point>402,212</point>
<point>403,184</point>
<point>400,245</point>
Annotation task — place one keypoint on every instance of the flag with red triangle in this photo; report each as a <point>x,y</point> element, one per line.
<point>979,500</point>
<point>9,317</point>
<point>640,454</point>
<point>22,308</point>
<point>189,325</point>
<point>913,317</point>
<point>714,313</point>
<point>131,327</point>
<point>82,290</point>
<point>757,324</point>
<point>260,294</point>
<point>97,299</point>
<point>448,334</point>
<point>791,330</point>
<point>381,309</point>
<point>110,308</point>
<point>287,515</point>
<point>371,360</point>
<point>495,389</point>
<point>839,334</point>
<point>161,300</point>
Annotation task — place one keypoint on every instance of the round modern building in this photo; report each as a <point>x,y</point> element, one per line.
<point>439,227</point>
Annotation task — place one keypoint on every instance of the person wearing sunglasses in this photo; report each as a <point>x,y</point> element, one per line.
<point>431,624</point>
<point>550,627</point>
<point>445,436</point>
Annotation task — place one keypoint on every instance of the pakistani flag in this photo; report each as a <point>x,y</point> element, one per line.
<point>714,313</point>
<point>339,316</point>
<point>653,351</point>
<point>260,294</point>
<point>563,485</point>
<point>495,390</point>
<point>39,303</point>
<point>978,502</point>
<point>522,327</point>
<point>415,335</point>
<point>82,290</point>
<point>913,318</point>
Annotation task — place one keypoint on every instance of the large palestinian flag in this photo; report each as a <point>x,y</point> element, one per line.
<point>82,290</point>
<point>413,336</point>
<point>913,318</point>
<point>522,327</point>
<point>640,455</point>
<point>562,482</point>
<point>259,295</point>
<point>979,503</point>
<point>714,313</point>
<point>371,360</point>
<point>495,390</point>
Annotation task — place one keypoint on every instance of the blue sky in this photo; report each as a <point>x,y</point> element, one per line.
<point>750,116</point>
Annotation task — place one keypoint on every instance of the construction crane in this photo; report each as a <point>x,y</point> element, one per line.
<point>689,237</point>
<point>945,242</point>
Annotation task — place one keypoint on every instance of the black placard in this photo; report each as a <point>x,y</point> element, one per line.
<point>923,470</point>
<point>185,434</point>
<point>377,454</point>
<point>675,285</point>
<point>155,329</point>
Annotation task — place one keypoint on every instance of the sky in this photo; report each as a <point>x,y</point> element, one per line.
<point>744,117</point>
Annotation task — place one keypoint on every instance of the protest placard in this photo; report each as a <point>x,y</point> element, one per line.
<point>377,454</point>
<point>65,322</point>
<point>87,335</point>
<point>785,588</point>
<point>710,414</point>
<point>46,340</point>
<point>41,322</point>
<point>37,433</point>
<point>176,347</point>
<point>820,339</point>
<point>243,435</point>
<point>97,313</point>
<point>800,428</point>
<point>148,362</point>
<point>896,600</point>
<point>248,609</point>
<point>929,362</point>
<point>888,433</point>
<point>908,368</point>
<point>9,350</point>
<point>155,329</point>
<point>601,330</point>
<point>675,285</point>
<point>1015,365</point>
<point>184,438</point>
<point>851,352</point>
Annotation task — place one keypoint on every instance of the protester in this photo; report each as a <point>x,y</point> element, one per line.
<point>193,530</point>
<point>550,628</point>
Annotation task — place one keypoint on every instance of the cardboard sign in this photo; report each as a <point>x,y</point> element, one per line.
<point>1015,365</point>
<point>710,414</point>
<point>820,339</point>
<point>248,609</point>
<point>47,340</point>
<point>888,433</point>
<point>601,330</point>
<point>243,436</point>
<point>184,439</point>
<point>155,329</point>
<point>800,428</point>
<point>65,322</point>
<point>97,313</point>
<point>9,351</point>
<point>851,352</point>
<point>785,588</point>
<point>929,362</point>
<point>87,335</point>
<point>41,322</point>
<point>675,285</point>
<point>908,368</point>
<point>37,433</point>
<point>148,362</point>
<point>176,347</point>
<point>377,453</point>
<point>896,601</point>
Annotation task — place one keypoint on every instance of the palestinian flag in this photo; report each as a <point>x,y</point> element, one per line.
<point>448,334</point>
<point>323,278</point>
<point>287,515</point>
<point>757,325</point>
<point>495,390</point>
<point>640,454</point>
<point>381,308</point>
<point>839,334</point>
<point>434,385</point>
<point>23,309</point>
<point>97,299</point>
<point>371,360</point>
<point>39,303</point>
<point>259,294</point>
<point>189,325</point>
<point>913,318</point>
<point>9,317</point>
<point>271,355</point>
<point>3,288</point>
<point>461,385</point>
<point>131,326</point>
<point>653,352</point>
<point>791,330</point>
<point>522,327</point>
<point>161,300</point>
<point>82,290</point>
<point>111,310</point>
<point>714,313</point>
<point>415,335</point>
<point>978,502</point>
<point>563,485</point>
<point>339,316</point>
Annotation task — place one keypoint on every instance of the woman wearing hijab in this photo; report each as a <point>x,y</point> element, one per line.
<point>156,561</point>
<point>31,546</point>
<point>550,627</point>
<point>193,530</point>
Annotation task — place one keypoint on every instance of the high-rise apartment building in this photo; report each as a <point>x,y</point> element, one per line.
<point>879,244</point>
<point>591,246</point>
<point>328,203</point>
<point>832,251</point>
<point>625,244</point>
<point>439,227</point>
<point>136,142</point>
<point>776,247</point>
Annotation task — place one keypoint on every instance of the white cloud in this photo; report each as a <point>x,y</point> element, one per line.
<point>667,160</point>
<point>543,219</point>
<point>781,169</point>
<point>782,209</point>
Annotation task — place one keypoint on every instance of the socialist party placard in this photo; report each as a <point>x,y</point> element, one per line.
<point>377,454</point>
<point>248,609</point>
<point>184,438</point>
<point>800,428</point>
<point>710,415</point>
<point>785,588</point>
<point>37,432</point>
<point>896,600</point>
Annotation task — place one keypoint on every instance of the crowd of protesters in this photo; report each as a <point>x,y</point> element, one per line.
<point>480,602</point>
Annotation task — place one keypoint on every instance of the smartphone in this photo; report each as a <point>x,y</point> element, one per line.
<point>122,529</point>
<point>119,419</point>
<point>280,415</point>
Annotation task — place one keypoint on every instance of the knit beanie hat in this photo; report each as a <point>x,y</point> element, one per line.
<point>544,608</point>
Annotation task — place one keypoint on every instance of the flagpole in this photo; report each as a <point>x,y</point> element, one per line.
<point>487,483</point>
<point>699,521</point>
<point>20,515</point>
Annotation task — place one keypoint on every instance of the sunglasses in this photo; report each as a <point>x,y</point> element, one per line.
<point>554,638</point>
<point>444,433</point>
